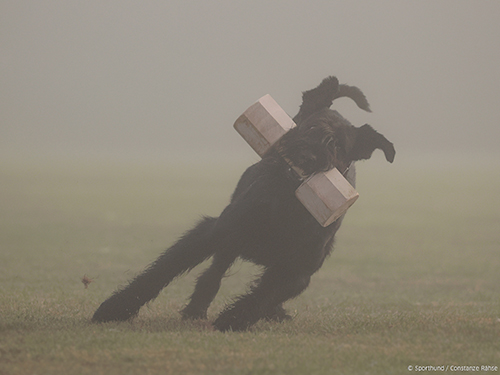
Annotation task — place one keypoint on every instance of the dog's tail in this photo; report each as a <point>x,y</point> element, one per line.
<point>192,249</point>
<point>323,96</point>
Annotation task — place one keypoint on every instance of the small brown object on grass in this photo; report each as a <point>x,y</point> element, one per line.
<point>86,281</point>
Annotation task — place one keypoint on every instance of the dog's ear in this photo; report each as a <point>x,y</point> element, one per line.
<point>323,96</point>
<point>355,94</point>
<point>318,98</point>
<point>368,140</point>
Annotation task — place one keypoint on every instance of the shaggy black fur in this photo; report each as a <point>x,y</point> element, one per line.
<point>264,222</point>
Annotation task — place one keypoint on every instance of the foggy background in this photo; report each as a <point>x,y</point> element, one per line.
<point>166,80</point>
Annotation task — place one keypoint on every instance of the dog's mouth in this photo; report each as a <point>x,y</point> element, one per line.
<point>346,170</point>
<point>313,165</point>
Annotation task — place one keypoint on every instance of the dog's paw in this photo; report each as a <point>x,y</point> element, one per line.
<point>228,321</point>
<point>113,310</point>
<point>278,315</point>
<point>191,313</point>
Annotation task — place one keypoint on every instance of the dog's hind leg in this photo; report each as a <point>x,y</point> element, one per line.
<point>264,300</point>
<point>192,249</point>
<point>207,286</point>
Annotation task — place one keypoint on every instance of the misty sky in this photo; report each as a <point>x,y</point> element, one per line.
<point>168,79</point>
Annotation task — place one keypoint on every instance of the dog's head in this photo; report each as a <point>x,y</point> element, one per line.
<point>324,139</point>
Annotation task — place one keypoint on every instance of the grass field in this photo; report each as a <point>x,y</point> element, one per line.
<point>414,279</point>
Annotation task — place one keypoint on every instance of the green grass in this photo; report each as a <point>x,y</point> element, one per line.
<point>414,278</point>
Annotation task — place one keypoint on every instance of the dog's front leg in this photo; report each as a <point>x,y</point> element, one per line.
<point>207,286</point>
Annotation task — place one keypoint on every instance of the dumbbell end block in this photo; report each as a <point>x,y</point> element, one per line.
<point>263,123</point>
<point>327,196</point>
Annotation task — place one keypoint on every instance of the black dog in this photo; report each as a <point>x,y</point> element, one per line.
<point>264,222</point>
